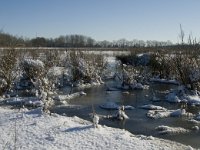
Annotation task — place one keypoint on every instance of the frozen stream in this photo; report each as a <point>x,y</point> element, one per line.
<point>138,122</point>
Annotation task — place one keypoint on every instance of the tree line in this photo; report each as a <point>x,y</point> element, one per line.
<point>8,40</point>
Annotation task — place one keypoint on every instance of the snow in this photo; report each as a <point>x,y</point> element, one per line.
<point>37,130</point>
<point>194,121</point>
<point>172,97</point>
<point>178,113</point>
<point>111,60</point>
<point>190,99</point>
<point>157,114</point>
<point>152,107</point>
<point>121,115</point>
<point>95,120</point>
<point>37,102</point>
<point>26,101</point>
<point>195,128</point>
<point>33,63</point>
<point>193,99</point>
<point>171,130</point>
<point>56,71</point>
<point>177,96</point>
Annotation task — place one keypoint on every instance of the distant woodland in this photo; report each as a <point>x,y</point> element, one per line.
<point>8,40</point>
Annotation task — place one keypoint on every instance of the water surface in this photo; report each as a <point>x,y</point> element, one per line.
<point>138,122</point>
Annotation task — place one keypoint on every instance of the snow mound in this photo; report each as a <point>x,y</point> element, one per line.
<point>26,101</point>
<point>178,113</point>
<point>33,63</point>
<point>194,121</point>
<point>190,99</point>
<point>61,133</point>
<point>172,98</point>
<point>121,115</point>
<point>152,107</point>
<point>171,130</point>
<point>157,114</point>
<point>193,99</point>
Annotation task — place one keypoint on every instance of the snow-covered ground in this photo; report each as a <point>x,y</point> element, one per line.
<point>28,130</point>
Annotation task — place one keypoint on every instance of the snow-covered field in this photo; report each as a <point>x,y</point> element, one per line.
<point>34,130</point>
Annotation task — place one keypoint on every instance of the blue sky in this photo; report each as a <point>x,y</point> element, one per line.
<point>101,19</point>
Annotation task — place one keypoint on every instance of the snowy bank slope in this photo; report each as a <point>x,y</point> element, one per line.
<point>35,130</point>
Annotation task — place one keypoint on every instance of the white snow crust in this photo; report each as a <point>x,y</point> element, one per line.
<point>31,130</point>
<point>171,130</point>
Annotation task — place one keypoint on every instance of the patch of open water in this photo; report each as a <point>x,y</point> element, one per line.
<point>138,122</point>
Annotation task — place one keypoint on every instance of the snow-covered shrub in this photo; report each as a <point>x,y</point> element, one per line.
<point>187,69</point>
<point>30,79</point>
<point>56,75</point>
<point>51,58</point>
<point>34,71</point>
<point>85,67</point>
<point>8,68</point>
<point>32,68</point>
<point>128,73</point>
<point>131,77</point>
<point>134,69</point>
<point>161,65</point>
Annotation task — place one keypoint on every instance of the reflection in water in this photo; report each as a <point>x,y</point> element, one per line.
<point>138,122</point>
